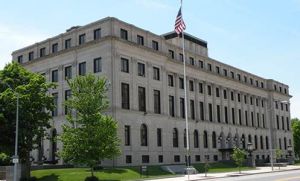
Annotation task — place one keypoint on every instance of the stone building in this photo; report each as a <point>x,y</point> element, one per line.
<point>227,106</point>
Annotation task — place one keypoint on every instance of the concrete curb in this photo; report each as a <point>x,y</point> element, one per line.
<point>246,174</point>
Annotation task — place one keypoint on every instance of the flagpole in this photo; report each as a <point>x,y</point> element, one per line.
<point>185,104</point>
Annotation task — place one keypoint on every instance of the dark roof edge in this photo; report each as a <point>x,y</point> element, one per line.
<point>187,36</point>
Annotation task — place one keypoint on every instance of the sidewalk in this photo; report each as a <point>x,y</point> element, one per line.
<point>258,170</point>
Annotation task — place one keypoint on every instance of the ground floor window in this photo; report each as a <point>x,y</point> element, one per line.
<point>145,159</point>
<point>160,159</point>
<point>128,159</point>
<point>176,158</point>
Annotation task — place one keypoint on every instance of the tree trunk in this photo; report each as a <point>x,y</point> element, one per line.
<point>25,169</point>
<point>92,171</point>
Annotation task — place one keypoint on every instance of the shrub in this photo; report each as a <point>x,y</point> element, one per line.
<point>97,168</point>
<point>4,159</point>
<point>30,179</point>
<point>92,178</point>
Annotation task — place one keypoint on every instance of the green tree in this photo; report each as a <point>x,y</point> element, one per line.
<point>296,135</point>
<point>90,136</point>
<point>278,154</point>
<point>239,157</point>
<point>33,119</point>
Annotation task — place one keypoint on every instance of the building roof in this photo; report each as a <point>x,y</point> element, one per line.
<point>187,36</point>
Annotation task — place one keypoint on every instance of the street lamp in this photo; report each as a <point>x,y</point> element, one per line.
<point>250,150</point>
<point>16,157</point>
<point>290,150</point>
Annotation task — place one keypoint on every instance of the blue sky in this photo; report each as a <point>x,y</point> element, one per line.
<point>261,37</point>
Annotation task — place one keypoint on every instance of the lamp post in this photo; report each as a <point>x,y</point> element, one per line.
<point>290,150</point>
<point>16,157</point>
<point>250,150</point>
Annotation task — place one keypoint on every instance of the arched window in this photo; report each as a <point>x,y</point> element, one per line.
<point>244,141</point>
<point>205,141</point>
<point>214,140</point>
<point>267,142</point>
<point>196,139</point>
<point>144,135</point>
<point>255,142</point>
<point>261,143</point>
<point>184,138</point>
<point>54,145</point>
<point>175,137</point>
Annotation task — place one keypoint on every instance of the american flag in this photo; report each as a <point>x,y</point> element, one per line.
<point>179,23</point>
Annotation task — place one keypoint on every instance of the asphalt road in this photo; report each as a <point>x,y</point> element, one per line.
<point>293,175</point>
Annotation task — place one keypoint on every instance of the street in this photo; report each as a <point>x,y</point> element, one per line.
<point>293,175</point>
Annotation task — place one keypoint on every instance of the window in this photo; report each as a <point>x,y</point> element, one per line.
<point>196,139</point>
<point>97,34</point>
<point>263,119</point>
<point>81,39</point>
<point>251,81</point>
<point>154,45</point>
<point>145,159</point>
<point>160,159</point>
<point>156,94</point>
<point>144,135</point>
<point>226,114</point>
<point>232,95</point>
<point>125,95</point>
<point>239,77</point>
<point>214,140</point>
<point>127,135</point>
<point>218,113</point>
<point>184,138</point>
<point>171,106</point>
<point>170,80</point>
<point>54,75</point>
<point>54,47</point>
<point>217,92</point>
<point>209,90</point>
<point>67,43</point>
<point>159,137</point>
<point>171,54</point>
<point>181,57</point>
<point>97,65</point>
<point>287,124</point>
<point>141,69</point>
<point>140,40</point>
<point>182,108</point>
<point>181,83</point>
<point>201,111</point>
<point>210,112</point>
<point>255,142</point>
<point>233,115</point>
<point>205,139</point>
<point>55,100</point>
<point>175,138</point>
<point>225,72</point>
<point>197,158</point>
<point>277,120</point>
<point>239,97</point>
<point>20,59</point>
<point>42,52</point>
<point>246,117</point>
<point>67,96</point>
<point>82,68</point>
<point>232,74</point>
<point>245,79</point>
<point>267,142</point>
<point>261,143</point>
<point>251,100</point>
<point>176,158</point>
<point>128,159</point>
<point>200,64</point>
<point>257,119</point>
<point>200,88</point>
<point>124,34</point>
<point>240,116</point>
<point>68,72</point>
<point>282,123</point>
<point>156,75</point>
<point>192,109</point>
<point>245,99</point>
<point>124,65</point>
<point>218,70</point>
<point>225,94</point>
<point>192,61</point>
<point>209,67</point>
<point>252,119</point>
<point>262,85</point>
<point>30,56</point>
<point>142,98</point>
<point>191,84</point>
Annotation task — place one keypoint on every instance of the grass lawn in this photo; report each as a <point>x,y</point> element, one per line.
<point>79,174</point>
<point>297,162</point>
<point>220,167</point>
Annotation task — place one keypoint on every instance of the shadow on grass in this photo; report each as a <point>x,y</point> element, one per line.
<point>110,171</point>
<point>51,177</point>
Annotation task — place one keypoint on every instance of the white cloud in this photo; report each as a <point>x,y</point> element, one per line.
<point>13,37</point>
